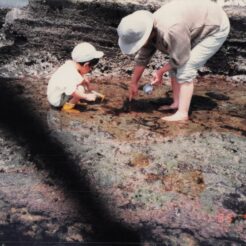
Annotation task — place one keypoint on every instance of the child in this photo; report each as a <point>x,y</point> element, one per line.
<point>68,84</point>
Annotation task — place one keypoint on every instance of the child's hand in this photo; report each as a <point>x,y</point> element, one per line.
<point>87,83</point>
<point>90,97</point>
<point>86,80</point>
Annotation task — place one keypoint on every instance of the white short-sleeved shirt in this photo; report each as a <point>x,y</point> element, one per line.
<point>64,81</point>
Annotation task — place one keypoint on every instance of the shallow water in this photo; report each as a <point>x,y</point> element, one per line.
<point>13,3</point>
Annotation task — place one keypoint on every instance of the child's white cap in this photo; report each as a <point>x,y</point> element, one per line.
<point>84,52</point>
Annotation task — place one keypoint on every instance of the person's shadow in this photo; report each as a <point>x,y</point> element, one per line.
<point>198,103</point>
<point>19,117</point>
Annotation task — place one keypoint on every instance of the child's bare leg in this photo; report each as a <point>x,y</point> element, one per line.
<point>74,100</point>
<point>186,92</point>
<point>176,90</point>
<point>70,104</point>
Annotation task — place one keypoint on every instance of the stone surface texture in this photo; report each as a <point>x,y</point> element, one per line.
<point>115,174</point>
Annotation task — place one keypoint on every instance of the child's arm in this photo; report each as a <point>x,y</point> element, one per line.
<point>87,83</point>
<point>81,95</point>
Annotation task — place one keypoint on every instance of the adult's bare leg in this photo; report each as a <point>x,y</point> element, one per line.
<point>185,95</point>
<point>176,91</point>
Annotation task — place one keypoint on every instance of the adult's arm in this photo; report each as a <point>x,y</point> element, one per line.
<point>179,47</point>
<point>133,88</point>
<point>142,59</point>
<point>158,74</point>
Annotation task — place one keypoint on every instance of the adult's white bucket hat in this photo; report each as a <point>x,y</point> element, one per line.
<point>134,30</point>
<point>84,52</point>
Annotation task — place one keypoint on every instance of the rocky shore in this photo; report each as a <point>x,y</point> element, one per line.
<point>115,174</point>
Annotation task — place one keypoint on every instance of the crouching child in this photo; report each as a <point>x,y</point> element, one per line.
<point>68,85</point>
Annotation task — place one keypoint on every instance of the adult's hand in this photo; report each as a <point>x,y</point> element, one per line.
<point>157,78</point>
<point>133,90</point>
<point>158,74</point>
<point>133,87</point>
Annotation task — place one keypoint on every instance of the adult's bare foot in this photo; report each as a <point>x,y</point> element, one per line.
<point>176,117</point>
<point>169,107</point>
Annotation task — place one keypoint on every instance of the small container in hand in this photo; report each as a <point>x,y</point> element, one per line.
<point>148,88</point>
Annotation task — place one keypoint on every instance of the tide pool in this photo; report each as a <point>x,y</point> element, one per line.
<point>13,3</point>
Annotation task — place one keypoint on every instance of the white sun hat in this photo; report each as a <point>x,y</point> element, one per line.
<point>84,52</point>
<point>134,30</point>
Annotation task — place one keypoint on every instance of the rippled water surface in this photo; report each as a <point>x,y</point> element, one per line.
<point>13,3</point>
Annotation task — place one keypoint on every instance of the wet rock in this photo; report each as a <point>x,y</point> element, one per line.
<point>239,78</point>
<point>139,160</point>
<point>217,96</point>
<point>43,25</point>
<point>3,13</point>
<point>12,15</point>
<point>188,183</point>
<point>234,202</point>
